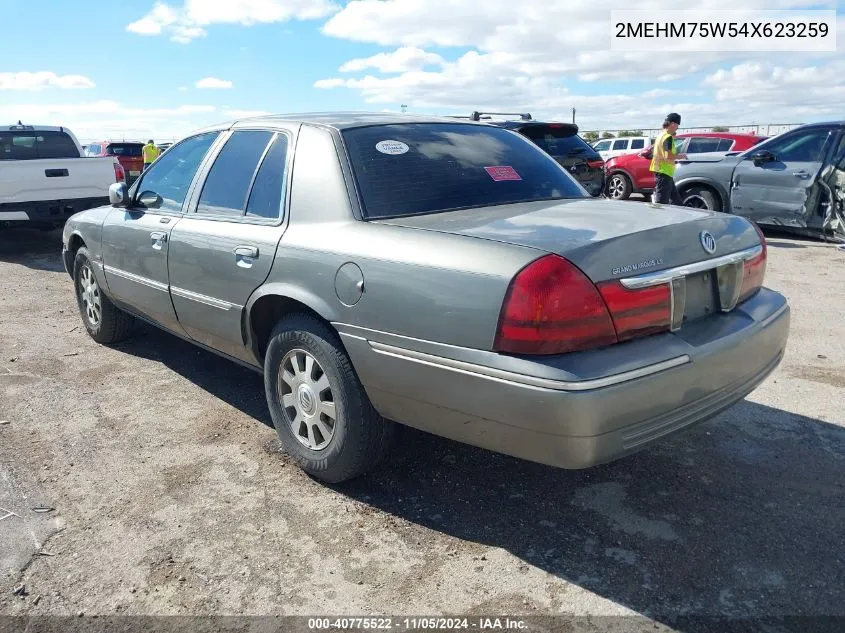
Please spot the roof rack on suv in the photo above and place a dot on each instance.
(477, 116)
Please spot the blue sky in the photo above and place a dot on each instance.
(131, 68)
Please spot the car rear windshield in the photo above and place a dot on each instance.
(124, 149)
(30, 145)
(559, 141)
(416, 168)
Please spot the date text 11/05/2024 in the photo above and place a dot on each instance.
(421, 623)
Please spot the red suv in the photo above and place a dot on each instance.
(128, 154)
(629, 173)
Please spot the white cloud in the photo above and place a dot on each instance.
(111, 119)
(401, 60)
(214, 83)
(42, 80)
(188, 22)
(762, 85)
(523, 63)
(330, 83)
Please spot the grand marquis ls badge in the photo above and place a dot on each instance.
(708, 242)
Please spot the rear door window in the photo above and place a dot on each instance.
(638, 143)
(228, 182)
(32, 145)
(422, 168)
(617, 145)
(265, 199)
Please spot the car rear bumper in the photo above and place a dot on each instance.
(578, 424)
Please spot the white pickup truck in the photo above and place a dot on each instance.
(44, 177)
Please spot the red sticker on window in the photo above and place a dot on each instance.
(502, 173)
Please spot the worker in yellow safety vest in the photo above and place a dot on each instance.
(151, 152)
(664, 155)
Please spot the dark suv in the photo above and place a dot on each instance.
(561, 141)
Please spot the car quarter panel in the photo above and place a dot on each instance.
(394, 280)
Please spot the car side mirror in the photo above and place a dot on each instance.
(119, 194)
(762, 157)
(150, 200)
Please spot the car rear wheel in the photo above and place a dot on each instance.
(321, 413)
(105, 322)
(619, 187)
(701, 198)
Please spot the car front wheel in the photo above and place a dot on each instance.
(701, 198)
(619, 187)
(104, 322)
(321, 413)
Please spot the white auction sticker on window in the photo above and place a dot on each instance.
(392, 147)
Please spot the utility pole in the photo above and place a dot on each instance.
(573, 115)
(404, 108)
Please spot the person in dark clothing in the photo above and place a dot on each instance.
(664, 155)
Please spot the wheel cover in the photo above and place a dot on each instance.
(89, 293)
(307, 399)
(695, 201)
(616, 186)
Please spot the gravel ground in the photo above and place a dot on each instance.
(169, 494)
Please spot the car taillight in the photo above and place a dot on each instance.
(594, 164)
(754, 270)
(638, 312)
(119, 172)
(551, 307)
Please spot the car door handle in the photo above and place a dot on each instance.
(801, 174)
(158, 238)
(246, 251)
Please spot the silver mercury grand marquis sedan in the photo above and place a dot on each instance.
(445, 275)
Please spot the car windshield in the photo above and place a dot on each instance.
(23, 145)
(411, 169)
(125, 149)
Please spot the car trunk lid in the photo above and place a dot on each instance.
(606, 239)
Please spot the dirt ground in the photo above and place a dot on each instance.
(169, 496)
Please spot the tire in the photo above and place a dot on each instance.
(358, 439)
(619, 187)
(104, 322)
(701, 198)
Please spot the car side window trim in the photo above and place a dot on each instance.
(194, 195)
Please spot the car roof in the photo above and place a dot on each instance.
(28, 127)
(338, 120)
